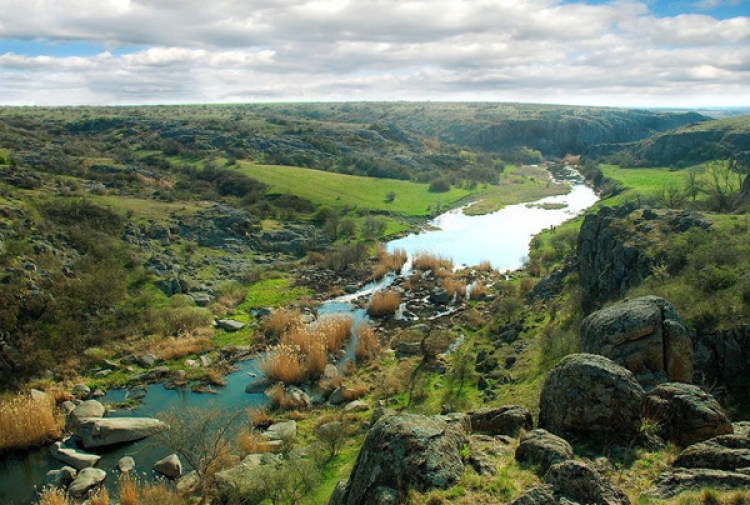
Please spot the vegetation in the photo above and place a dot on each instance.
(28, 420)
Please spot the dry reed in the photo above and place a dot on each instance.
(368, 345)
(53, 496)
(355, 392)
(251, 442)
(99, 497)
(454, 287)
(26, 421)
(478, 291)
(389, 262)
(177, 347)
(259, 418)
(158, 493)
(284, 363)
(384, 303)
(484, 266)
(127, 489)
(440, 266)
(281, 321)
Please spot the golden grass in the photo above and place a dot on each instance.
(177, 347)
(454, 287)
(479, 290)
(214, 377)
(281, 321)
(279, 397)
(54, 496)
(99, 497)
(127, 489)
(484, 266)
(440, 266)
(259, 417)
(251, 442)
(368, 345)
(26, 422)
(355, 392)
(335, 330)
(384, 303)
(158, 493)
(284, 363)
(389, 262)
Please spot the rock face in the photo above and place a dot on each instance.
(543, 449)
(170, 467)
(86, 480)
(116, 430)
(590, 394)
(405, 451)
(644, 335)
(506, 420)
(686, 413)
(573, 482)
(77, 459)
(723, 356)
(726, 452)
(672, 483)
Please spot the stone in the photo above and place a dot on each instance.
(230, 325)
(283, 431)
(243, 478)
(117, 430)
(258, 385)
(86, 410)
(725, 452)
(644, 335)
(187, 483)
(338, 396)
(685, 413)
(146, 360)
(591, 395)
(205, 361)
(580, 483)
(202, 299)
(405, 349)
(86, 480)
(409, 450)
(72, 456)
(170, 466)
(538, 495)
(679, 480)
(543, 449)
(357, 406)
(38, 396)
(126, 464)
(505, 420)
(67, 407)
(81, 390)
(439, 296)
(59, 478)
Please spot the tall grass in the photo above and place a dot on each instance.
(384, 303)
(440, 266)
(251, 441)
(454, 287)
(281, 321)
(99, 497)
(479, 291)
(26, 421)
(127, 489)
(368, 345)
(177, 347)
(284, 363)
(389, 262)
(54, 496)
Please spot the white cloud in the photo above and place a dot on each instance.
(233, 50)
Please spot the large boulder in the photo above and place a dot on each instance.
(506, 420)
(573, 482)
(170, 466)
(86, 480)
(73, 457)
(543, 449)
(676, 481)
(116, 430)
(59, 478)
(726, 452)
(405, 451)
(685, 413)
(590, 395)
(86, 410)
(644, 335)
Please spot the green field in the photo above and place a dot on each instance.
(641, 181)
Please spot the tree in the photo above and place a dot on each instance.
(390, 197)
(372, 227)
(202, 438)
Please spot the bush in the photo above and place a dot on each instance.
(179, 320)
(440, 266)
(384, 303)
(441, 185)
(284, 363)
(368, 344)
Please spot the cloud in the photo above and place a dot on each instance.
(617, 52)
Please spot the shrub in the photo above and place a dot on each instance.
(177, 320)
(27, 421)
(368, 345)
(478, 290)
(384, 303)
(251, 442)
(440, 266)
(454, 287)
(441, 185)
(284, 363)
(158, 493)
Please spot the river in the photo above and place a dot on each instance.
(502, 238)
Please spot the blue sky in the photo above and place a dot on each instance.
(621, 53)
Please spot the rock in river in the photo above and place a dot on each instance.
(87, 479)
(116, 430)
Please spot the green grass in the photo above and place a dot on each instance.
(272, 293)
(141, 210)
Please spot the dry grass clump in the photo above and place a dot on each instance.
(214, 377)
(251, 441)
(127, 489)
(454, 287)
(284, 363)
(389, 262)
(27, 421)
(440, 266)
(280, 398)
(384, 303)
(484, 266)
(99, 497)
(54, 496)
(281, 321)
(158, 493)
(259, 418)
(479, 291)
(177, 347)
(355, 392)
(368, 344)
(334, 330)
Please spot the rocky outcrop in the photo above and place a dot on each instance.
(644, 335)
(685, 413)
(242, 479)
(723, 356)
(402, 452)
(573, 482)
(59, 478)
(170, 466)
(506, 420)
(543, 449)
(592, 395)
(671, 483)
(111, 431)
(77, 459)
(86, 480)
(726, 452)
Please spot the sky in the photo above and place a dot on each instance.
(650, 53)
